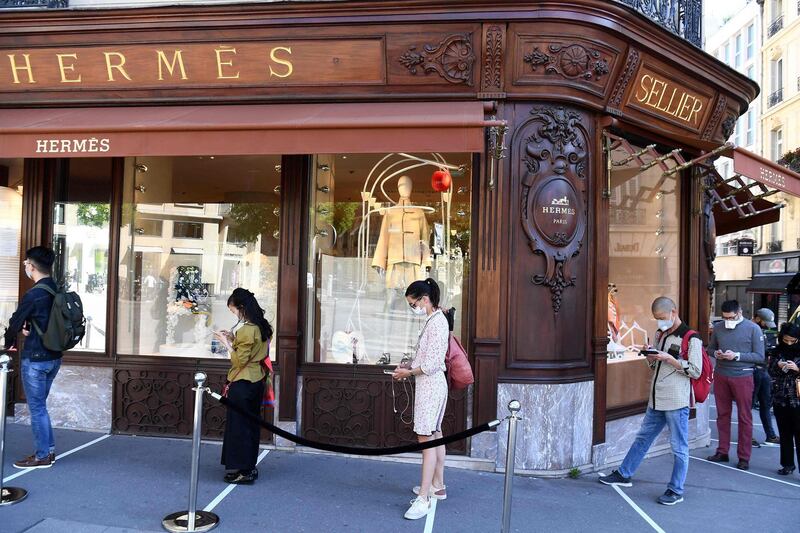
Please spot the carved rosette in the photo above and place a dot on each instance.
(553, 199)
(453, 59)
(573, 61)
(631, 64)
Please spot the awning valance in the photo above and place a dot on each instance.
(774, 284)
(244, 129)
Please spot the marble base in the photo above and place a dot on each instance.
(79, 399)
(620, 434)
(555, 433)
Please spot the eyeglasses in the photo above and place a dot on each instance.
(414, 305)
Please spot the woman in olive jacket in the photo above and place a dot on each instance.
(784, 368)
(248, 347)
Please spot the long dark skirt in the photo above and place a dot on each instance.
(240, 443)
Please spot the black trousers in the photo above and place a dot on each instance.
(240, 443)
(789, 430)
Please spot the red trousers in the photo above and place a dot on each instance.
(739, 390)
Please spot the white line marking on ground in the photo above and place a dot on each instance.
(763, 444)
(736, 422)
(227, 490)
(431, 517)
(638, 510)
(746, 472)
(60, 456)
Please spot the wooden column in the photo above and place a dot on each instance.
(291, 280)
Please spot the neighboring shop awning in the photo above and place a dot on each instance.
(794, 285)
(775, 284)
(244, 129)
(739, 202)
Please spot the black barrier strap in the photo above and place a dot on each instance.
(353, 450)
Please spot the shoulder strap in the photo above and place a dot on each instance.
(53, 294)
(46, 288)
(685, 343)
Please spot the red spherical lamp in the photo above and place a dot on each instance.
(441, 180)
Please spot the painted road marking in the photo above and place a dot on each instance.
(227, 490)
(431, 517)
(60, 457)
(638, 510)
(746, 472)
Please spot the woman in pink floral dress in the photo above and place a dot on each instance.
(428, 368)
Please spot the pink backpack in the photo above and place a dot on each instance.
(459, 371)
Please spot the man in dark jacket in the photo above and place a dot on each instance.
(762, 392)
(39, 365)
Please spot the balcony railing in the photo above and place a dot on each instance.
(681, 17)
(775, 98)
(18, 4)
(775, 27)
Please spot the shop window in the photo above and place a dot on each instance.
(187, 230)
(793, 264)
(175, 274)
(644, 263)
(376, 224)
(772, 266)
(10, 233)
(81, 235)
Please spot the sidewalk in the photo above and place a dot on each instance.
(130, 483)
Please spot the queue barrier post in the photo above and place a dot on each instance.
(192, 519)
(514, 406)
(8, 495)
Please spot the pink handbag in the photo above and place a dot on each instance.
(459, 371)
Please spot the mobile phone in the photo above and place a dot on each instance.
(648, 352)
(390, 372)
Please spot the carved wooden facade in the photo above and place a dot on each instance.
(540, 221)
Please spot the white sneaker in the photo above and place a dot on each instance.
(436, 494)
(418, 509)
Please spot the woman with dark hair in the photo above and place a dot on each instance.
(248, 345)
(428, 368)
(784, 367)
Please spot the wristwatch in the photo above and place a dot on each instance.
(737, 356)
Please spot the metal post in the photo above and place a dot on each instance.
(8, 495)
(514, 406)
(192, 519)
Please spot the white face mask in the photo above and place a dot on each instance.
(29, 273)
(418, 310)
(665, 325)
(731, 324)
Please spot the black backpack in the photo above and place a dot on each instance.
(67, 325)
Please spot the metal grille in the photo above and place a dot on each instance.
(681, 17)
(18, 4)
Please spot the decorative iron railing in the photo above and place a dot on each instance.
(775, 98)
(18, 4)
(775, 27)
(681, 17)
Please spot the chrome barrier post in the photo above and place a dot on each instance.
(514, 406)
(193, 520)
(8, 495)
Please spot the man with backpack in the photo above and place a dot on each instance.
(676, 360)
(39, 365)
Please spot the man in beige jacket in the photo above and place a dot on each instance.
(669, 400)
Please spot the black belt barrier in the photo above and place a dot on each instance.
(353, 450)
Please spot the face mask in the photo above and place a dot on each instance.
(731, 324)
(665, 325)
(28, 273)
(418, 310)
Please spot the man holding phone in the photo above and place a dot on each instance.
(738, 345)
(669, 399)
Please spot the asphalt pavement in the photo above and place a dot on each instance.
(116, 483)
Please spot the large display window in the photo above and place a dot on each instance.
(643, 264)
(193, 229)
(11, 191)
(377, 223)
(81, 237)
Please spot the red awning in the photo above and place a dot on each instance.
(768, 172)
(244, 129)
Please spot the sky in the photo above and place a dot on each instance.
(715, 12)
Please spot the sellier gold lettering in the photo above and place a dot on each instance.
(669, 99)
(284, 62)
(118, 66)
(64, 68)
(225, 50)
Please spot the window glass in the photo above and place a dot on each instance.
(772, 266)
(750, 40)
(738, 52)
(10, 223)
(81, 234)
(793, 265)
(193, 229)
(644, 263)
(393, 224)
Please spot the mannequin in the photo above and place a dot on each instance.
(401, 256)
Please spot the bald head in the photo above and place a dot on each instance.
(663, 305)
